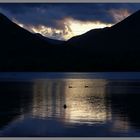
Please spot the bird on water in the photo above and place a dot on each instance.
(65, 106)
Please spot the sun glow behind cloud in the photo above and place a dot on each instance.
(71, 28)
(58, 21)
(80, 27)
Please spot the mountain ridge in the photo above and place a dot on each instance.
(113, 48)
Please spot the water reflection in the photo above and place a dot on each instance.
(94, 107)
(15, 99)
(85, 104)
(48, 98)
(124, 97)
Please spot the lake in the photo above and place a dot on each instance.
(102, 104)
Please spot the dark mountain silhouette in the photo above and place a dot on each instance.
(114, 48)
(49, 40)
(22, 50)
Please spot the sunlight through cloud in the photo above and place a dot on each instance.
(79, 27)
(71, 28)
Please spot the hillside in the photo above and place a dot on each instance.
(115, 48)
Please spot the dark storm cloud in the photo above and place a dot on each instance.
(51, 15)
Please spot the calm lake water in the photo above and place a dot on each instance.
(97, 104)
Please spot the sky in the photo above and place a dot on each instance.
(64, 20)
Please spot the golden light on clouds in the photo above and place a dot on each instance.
(80, 27)
(71, 28)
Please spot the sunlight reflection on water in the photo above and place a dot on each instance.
(94, 107)
(84, 104)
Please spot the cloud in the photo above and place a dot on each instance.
(119, 14)
(72, 28)
(50, 14)
(53, 19)
(59, 34)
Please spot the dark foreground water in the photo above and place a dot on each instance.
(97, 104)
